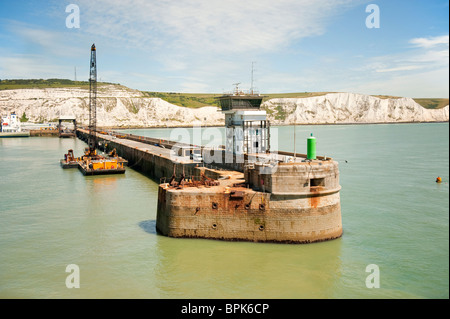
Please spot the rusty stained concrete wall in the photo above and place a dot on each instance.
(257, 216)
(151, 164)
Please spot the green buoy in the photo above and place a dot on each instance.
(311, 153)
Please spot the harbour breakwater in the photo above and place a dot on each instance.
(287, 199)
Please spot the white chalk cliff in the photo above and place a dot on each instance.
(116, 107)
(122, 107)
(346, 108)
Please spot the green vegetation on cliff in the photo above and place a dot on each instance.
(43, 84)
(192, 100)
(432, 103)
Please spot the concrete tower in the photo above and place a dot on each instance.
(247, 127)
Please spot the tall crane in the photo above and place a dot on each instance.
(92, 163)
(92, 141)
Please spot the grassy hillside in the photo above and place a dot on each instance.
(428, 103)
(293, 95)
(432, 103)
(44, 84)
(195, 100)
(191, 100)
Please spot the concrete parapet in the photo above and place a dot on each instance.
(295, 178)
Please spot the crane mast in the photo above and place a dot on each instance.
(92, 163)
(92, 142)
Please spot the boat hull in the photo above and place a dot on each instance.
(14, 134)
(88, 172)
(71, 164)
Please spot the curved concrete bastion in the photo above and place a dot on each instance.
(289, 203)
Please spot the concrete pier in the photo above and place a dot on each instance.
(151, 157)
(286, 202)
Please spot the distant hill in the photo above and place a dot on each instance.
(119, 106)
(44, 84)
(190, 100)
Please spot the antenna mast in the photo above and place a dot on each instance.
(251, 89)
(237, 88)
(92, 142)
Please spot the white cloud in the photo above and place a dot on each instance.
(400, 68)
(218, 26)
(52, 42)
(430, 42)
(423, 84)
(194, 87)
(206, 38)
(211, 43)
(26, 66)
(419, 71)
(438, 57)
(206, 45)
(426, 57)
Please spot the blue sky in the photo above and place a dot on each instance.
(204, 46)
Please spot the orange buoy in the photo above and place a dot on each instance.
(438, 180)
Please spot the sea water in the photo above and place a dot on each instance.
(395, 218)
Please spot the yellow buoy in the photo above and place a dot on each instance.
(438, 180)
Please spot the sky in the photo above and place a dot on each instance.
(400, 48)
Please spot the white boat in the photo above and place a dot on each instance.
(10, 126)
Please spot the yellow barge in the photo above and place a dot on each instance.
(101, 166)
(93, 164)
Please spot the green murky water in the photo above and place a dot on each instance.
(394, 216)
